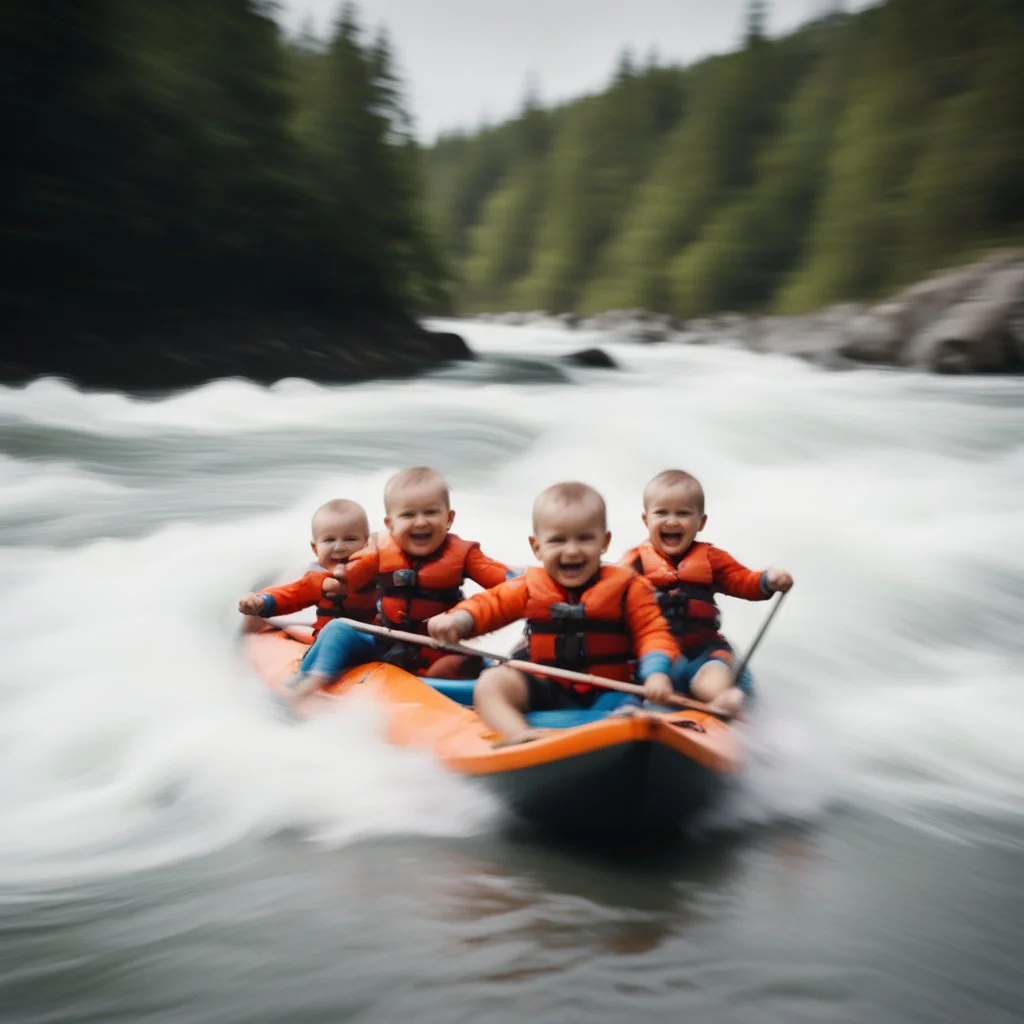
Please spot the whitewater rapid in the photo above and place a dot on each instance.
(133, 734)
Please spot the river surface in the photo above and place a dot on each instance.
(171, 850)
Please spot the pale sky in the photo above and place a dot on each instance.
(464, 62)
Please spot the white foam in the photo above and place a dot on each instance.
(131, 732)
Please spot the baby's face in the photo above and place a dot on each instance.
(673, 518)
(419, 518)
(569, 541)
(337, 537)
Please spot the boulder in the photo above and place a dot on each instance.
(592, 358)
(817, 338)
(897, 332)
(446, 345)
(979, 334)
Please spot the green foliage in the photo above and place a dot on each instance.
(502, 243)
(745, 250)
(182, 156)
(839, 162)
(966, 188)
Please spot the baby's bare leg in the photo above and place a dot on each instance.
(713, 684)
(711, 681)
(501, 697)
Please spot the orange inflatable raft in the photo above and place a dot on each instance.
(654, 770)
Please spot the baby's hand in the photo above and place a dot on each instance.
(450, 627)
(658, 688)
(250, 604)
(779, 579)
(333, 588)
(340, 571)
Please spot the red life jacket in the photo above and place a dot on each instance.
(362, 606)
(411, 590)
(685, 593)
(584, 630)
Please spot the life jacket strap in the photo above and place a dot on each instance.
(563, 627)
(404, 584)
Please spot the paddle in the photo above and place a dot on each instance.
(745, 660)
(549, 671)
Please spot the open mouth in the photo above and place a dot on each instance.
(421, 538)
(671, 539)
(571, 570)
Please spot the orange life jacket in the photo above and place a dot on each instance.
(685, 593)
(411, 590)
(362, 605)
(584, 630)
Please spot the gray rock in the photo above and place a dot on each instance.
(817, 338)
(966, 320)
(979, 334)
(594, 358)
(637, 325)
(446, 345)
(874, 336)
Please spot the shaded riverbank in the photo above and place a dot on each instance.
(167, 352)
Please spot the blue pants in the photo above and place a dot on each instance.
(336, 648)
(684, 669)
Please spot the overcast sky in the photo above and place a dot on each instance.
(467, 61)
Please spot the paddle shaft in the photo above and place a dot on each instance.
(745, 660)
(550, 671)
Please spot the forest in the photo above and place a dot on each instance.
(179, 159)
(839, 162)
(188, 163)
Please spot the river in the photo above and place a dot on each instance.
(171, 850)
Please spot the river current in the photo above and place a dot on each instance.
(172, 850)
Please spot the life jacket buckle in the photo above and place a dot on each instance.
(405, 577)
(566, 610)
(674, 603)
(571, 649)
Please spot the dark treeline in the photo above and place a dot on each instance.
(839, 162)
(181, 158)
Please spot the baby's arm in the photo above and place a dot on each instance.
(653, 642)
(486, 571)
(481, 613)
(285, 599)
(360, 570)
(736, 580)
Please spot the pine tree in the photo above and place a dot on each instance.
(757, 16)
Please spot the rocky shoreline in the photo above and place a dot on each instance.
(170, 353)
(966, 320)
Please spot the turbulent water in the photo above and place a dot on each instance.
(171, 850)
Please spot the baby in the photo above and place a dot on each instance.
(580, 615)
(686, 574)
(340, 529)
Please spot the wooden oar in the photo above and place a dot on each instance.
(549, 671)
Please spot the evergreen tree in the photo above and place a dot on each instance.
(181, 157)
(757, 17)
(839, 162)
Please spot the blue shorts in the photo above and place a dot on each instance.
(684, 669)
(337, 648)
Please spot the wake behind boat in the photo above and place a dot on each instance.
(591, 772)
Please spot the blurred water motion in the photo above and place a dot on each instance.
(169, 846)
